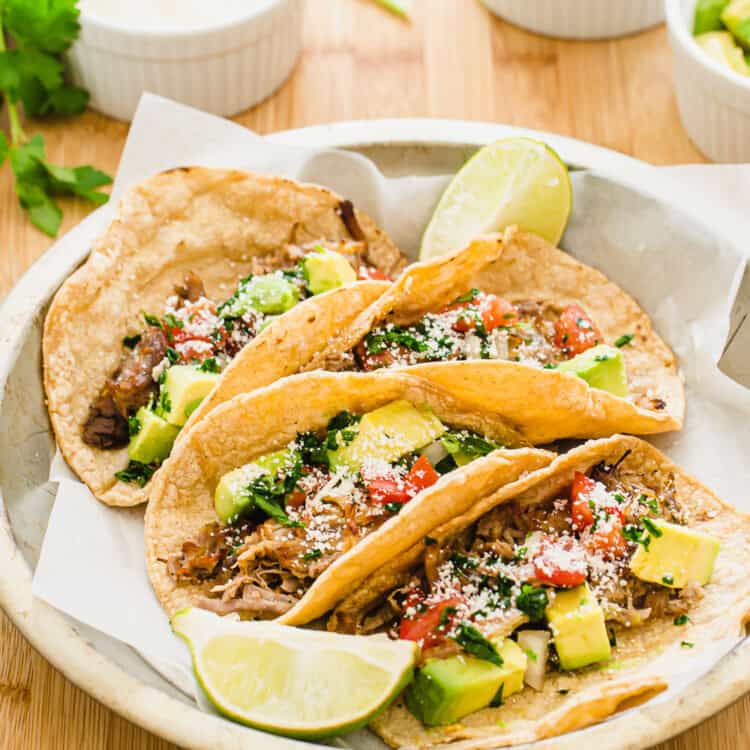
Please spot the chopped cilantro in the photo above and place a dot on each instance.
(681, 620)
(137, 473)
(411, 339)
(497, 701)
(520, 553)
(393, 507)
(612, 637)
(312, 449)
(531, 655)
(172, 355)
(342, 420)
(131, 341)
(636, 534)
(430, 541)
(467, 443)
(653, 529)
(601, 358)
(172, 322)
(476, 644)
(667, 579)
(624, 340)
(134, 426)
(152, 320)
(209, 365)
(462, 563)
(687, 644)
(532, 601)
(445, 616)
(313, 554)
(470, 296)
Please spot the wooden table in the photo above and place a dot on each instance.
(454, 61)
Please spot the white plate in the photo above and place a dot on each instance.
(113, 673)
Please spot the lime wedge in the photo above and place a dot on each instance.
(512, 181)
(300, 683)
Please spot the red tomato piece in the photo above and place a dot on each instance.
(607, 539)
(295, 499)
(580, 511)
(497, 312)
(384, 490)
(369, 273)
(371, 362)
(428, 628)
(422, 475)
(575, 332)
(561, 563)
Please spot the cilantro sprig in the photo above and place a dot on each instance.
(38, 32)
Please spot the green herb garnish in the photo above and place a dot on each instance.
(313, 554)
(136, 473)
(497, 701)
(532, 601)
(430, 541)
(134, 426)
(624, 340)
(470, 296)
(474, 643)
(612, 637)
(667, 579)
(687, 644)
(209, 365)
(131, 341)
(652, 528)
(152, 320)
(393, 507)
(172, 356)
(681, 620)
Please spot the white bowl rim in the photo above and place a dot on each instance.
(681, 33)
(258, 9)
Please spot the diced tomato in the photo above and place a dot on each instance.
(575, 332)
(426, 627)
(497, 312)
(422, 475)
(295, 499)
(383, 490)
(580, 511)
(560, 562)
(370, 362)
(494, 312)
(370, 273)
(607, 538)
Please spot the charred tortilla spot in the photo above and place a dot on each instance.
(345, 211)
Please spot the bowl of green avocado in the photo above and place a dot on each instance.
(710, 40)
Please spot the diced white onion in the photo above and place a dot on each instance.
(535, 642)
(434, 452)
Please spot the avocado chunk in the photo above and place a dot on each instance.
(736, 17)
(272, 293)
(722, 47)
(708, 16)
(677, 557)
(577, 624)
(601, 367)
(387, 434)
(184, 387)
(153, 441)
(231, 497)
(328, 270)
(446, 690)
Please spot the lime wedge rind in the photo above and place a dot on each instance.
(327, 667)
(511, 182)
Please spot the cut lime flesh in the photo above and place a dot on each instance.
(515, 181)
(299, 683)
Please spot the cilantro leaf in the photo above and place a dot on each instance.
(49, 25)
(476, 644)
(532, 601)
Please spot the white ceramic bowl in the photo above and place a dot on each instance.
(714, 101)
(223, 68)
(580, 19)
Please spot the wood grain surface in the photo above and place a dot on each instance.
(455, 60)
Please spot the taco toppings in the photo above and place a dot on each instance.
(534, 588)
(284, 518)
(171, 364)
(478, 325)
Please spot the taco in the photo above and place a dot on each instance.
(553, 343)
(559, 598)
(199, 265)
(278, 500)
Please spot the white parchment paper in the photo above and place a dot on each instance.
(92, 561)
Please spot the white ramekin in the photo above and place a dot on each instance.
(580, 19)
(714, 101)
(223, 69)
